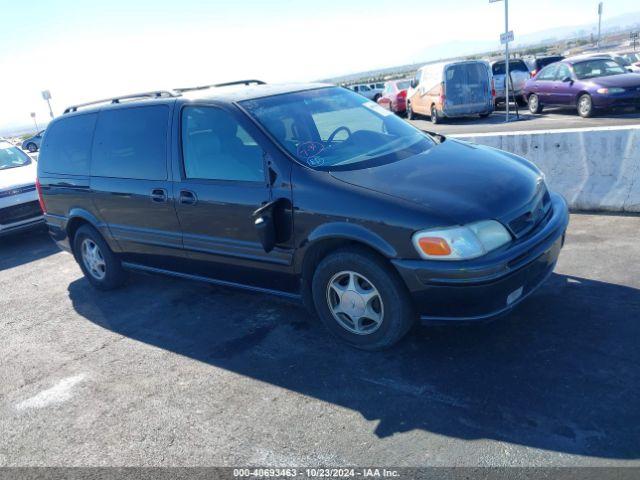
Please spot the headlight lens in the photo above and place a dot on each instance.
(609, 91)
(461, 243)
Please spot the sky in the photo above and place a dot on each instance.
(84, 50)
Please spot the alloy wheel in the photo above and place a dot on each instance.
(93, 259)
(355, 303)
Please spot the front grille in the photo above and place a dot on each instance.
(537, 216)
(17, 190)
(17, 213)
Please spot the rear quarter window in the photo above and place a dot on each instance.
(131, 143)
(67, 145)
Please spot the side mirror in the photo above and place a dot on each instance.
(414, 84)
(266, 231)
(265, 224)
(567, 79)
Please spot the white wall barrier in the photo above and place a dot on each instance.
(595, 169)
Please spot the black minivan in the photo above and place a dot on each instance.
(306, 191)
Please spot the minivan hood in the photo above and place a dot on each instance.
(455, 180)
(18, 176)
(624, 80)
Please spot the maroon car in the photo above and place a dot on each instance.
(394, 95)
(587, 84)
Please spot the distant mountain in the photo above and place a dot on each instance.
(609, 25)
(455, 49)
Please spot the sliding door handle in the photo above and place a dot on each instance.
(158, 195)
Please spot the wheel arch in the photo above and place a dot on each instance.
(78, 217)
(579, 94)
(329, 238)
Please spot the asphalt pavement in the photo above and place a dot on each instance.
(166, 372)
(549, 119)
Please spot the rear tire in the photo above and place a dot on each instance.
(435, 116)
(98, 263)
(360, 300)
(32, 147)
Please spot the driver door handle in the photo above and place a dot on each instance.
(187, 197)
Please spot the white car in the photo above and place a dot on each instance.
(367, 91)
(19, 204)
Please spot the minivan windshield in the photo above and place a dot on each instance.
(335, 129)
(11, 157)
(600, 67)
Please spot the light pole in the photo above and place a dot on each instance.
(505, 38)
(599, 24)
(46, 95)
(33, 115)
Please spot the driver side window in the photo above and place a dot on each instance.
(216, 147)
(563, 72)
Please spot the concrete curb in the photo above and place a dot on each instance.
(596, 169)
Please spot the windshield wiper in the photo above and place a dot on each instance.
(436, 136)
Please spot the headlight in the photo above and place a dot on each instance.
(461, 243)
(609, 91)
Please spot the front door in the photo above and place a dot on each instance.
(562, 93)
(224, 176)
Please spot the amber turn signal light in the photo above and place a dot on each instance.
(434, 246)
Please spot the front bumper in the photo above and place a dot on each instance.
(19, 212)
(482, 288)
(617, 100)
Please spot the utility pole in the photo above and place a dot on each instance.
(599, 24)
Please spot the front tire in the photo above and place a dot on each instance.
(98, 263)
(32, 147)
(410, 114)
(535, 106)
(585, 106)
(360, 300)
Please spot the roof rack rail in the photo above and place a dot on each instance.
(217, 85)
(152, 94)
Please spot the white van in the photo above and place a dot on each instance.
(451, 89)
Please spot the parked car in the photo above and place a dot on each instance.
(19, 206)
(519, 73)
(366, 91)
(617, 57)
(32, 144)
(310, 192)
(538, 63)
(632, 57)
(588, 84)
(394, 95)
(377, 87)
(455, 89)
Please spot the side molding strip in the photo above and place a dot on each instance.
(199, 278)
